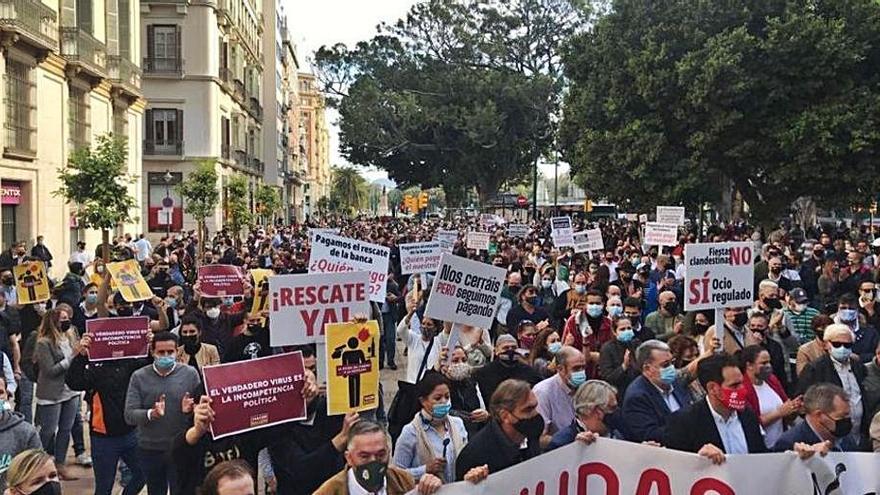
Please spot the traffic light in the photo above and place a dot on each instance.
(423, 200)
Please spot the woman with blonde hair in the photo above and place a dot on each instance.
(32, 472)
(57, 404)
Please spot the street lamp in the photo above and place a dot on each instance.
(168, 203)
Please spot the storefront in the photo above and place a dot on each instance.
(10, 211)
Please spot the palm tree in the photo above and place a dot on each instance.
(349, 188)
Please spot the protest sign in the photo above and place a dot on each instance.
(643, 218)
(353, 367)
(661, 234)
(614, 467)
(128, 278)
(261, 290)
(118, 338)
(588, 240)
(465, 291)
(256, 393)
(31, 283)
(670, 214)
(562, 231)
(419, 257)
(478, 240)
(332, 253)
(517, 230)
(220, 281)
(446, 238)
(312, 232)
(719, 275)
(488, 221)
(300, 305)
(632, 217)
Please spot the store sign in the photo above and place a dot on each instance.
(10, 193)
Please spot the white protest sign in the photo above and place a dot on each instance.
(478, 240)
(719, 275)
(661, 234)
(300, 305)
(588, 240)
(615, 467)
(643, 218)
(670, 214)
(465, 291)
(517, 230)
(447, 239)
(314, 231)
(332, 253)
(562, 231)
(419, 257)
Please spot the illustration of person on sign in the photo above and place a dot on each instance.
(353, 364)
(129, 280)
(30, 279)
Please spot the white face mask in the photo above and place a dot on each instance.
(213, 313)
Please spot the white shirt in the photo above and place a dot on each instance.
(144, 248)
(851, 385)
(768, 401)
(669, 398)
(417, 347)
(731, 432)
(83, 257)
(355, 489)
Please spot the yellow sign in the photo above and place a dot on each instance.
(31, 282)
(352, 367)
(127, 275)
(261, 290)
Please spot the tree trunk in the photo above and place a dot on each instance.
(200, 252)
(105, 245)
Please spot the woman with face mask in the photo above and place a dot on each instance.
(543, 354)
(765, 395)
(467, 400)
(33, 472)
(432, 441)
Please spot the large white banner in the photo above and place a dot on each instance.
(419, 257)
(300, 305)
(719, 275)
(661, 234)
(562, 231)
(670, 214)
(586, 241)
(614, 467)
(465, 291)
(332, 253)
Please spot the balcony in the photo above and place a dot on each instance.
(163, 148)
(84, 51)
(125, 75)
(226, 76)
(255, 165)
(163, 66)
(238, 89)
(241, 158)
(34, 22)
(255, 108)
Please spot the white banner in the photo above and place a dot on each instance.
(465, 291)
(332, 253)
(562, 231)
(586, 241)
(478, 240)
(719, 275)
(614, 467)
(661, 234)
(517, 230)
(447, 239)
(300, 305)
(419, 257)
(670, 214)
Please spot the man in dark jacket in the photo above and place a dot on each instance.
(827, 419)
(388, 342)
(506, 365)
(617, 363)
(217, 327)
(16, 434)
(71, 289)
(720, 423)
(41, 252)
(15, 255)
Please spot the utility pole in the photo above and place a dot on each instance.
(556, 185)
(535, 190)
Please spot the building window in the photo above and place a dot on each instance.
(165, 204)
(80, 129)
(164, 132)
(163, 50)
(225, 138)
(20, 108)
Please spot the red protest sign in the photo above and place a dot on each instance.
(257, 393)
(220, 281)
(118, 338)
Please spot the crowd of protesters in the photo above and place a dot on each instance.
(582, 345)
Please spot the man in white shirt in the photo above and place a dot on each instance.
(81, 255)
(143, 248)
(555, 403)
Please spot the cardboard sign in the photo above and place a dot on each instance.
(300, 305)
(257, 393)
(588, 240)
(419, 257)
(517, 230)
(478, 240)
(31, 283)
(670, 214)
(447, 239)
(333, 254)
(465, 291)
(719, 275)
(643, 218)
(220, 281)
(353, 367)
(118, 338)
(128, 278)
(261, 290)
(661, 234)
(562, 231)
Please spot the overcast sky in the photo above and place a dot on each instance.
(314, 23)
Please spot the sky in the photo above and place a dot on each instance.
(314, 23)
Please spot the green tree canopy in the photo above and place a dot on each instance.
(268, 201)
(349, 189)
(237, 205)
(200, 196)
(673, 101)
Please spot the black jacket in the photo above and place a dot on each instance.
(219, 332)
(690, 428)
(611, 365)
(822, 371)
(42, 253)
(492, 447)
(465, 399)
(491, 375)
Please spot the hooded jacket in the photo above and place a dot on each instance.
(16, 435)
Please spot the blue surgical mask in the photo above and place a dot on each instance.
(580, 289)
(848, 314)
(626, 336)
(841, 354)
(171, 302)
(91, 298)
(555, 347)
(615, 311)
(594, 310)
(546, 283)
(164, 363)
(439, 411)
(667, 374)
(577, 378)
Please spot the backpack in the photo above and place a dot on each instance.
(28, 365)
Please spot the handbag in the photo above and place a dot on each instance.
(406, 402)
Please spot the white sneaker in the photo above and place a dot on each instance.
(84, 460)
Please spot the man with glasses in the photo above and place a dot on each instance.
(866, 337)
(868, 305)
(827, 421)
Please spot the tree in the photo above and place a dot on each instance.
(268, 200)
(685, 102)
(200, 197)
(96, 182)
(237, 207)
(349, 189)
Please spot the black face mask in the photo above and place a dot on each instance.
(773, 303)
(190, 343)
(371, 476)
(740, 319)
(8, 280)
(530, 427)
(125, 311)
(48, 488)
(507, 358)
(65, 325)
(671, 308)
(842, 427)
(700, 329)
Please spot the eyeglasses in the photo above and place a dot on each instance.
(848, 345)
